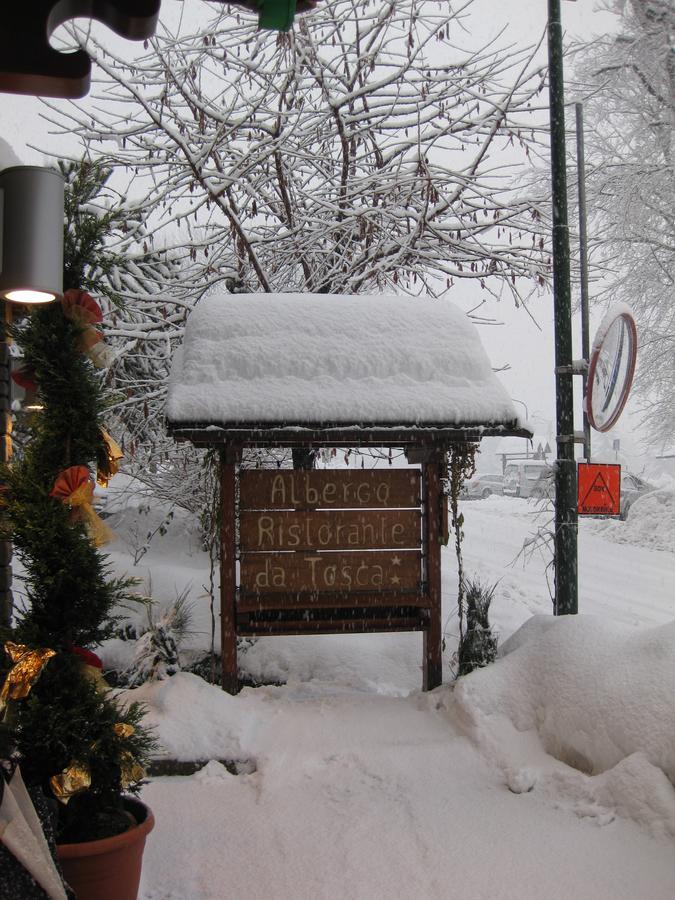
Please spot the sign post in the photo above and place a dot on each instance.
(565, 537)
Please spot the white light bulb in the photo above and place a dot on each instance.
(30, 296)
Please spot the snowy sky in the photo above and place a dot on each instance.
(520, 342)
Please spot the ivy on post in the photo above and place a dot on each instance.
(229, 458)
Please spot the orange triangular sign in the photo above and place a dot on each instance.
(599, 489)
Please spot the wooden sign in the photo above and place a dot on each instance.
(321, 572)
(598, 489)
(328, 489)
(330, 530)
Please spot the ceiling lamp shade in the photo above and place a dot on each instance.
(31, 234)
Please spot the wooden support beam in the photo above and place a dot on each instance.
(432, 646)
(249, 602)
(228, 583)
(251, 626)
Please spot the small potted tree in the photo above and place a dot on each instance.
(75, 741)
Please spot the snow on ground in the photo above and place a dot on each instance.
(650, 522)
(361, 795)
(546, 774)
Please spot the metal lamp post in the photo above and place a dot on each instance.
(566, 580)
(31, 271)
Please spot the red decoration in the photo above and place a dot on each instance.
(89, 338)
(80, 307)
(71, 480)
(25, 378)
(87, 656)
(75, 487)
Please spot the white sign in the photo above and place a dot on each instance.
(611, 369)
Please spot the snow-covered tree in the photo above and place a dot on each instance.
(142, 292)
(363, 150)
(145, 295)
(627, 81)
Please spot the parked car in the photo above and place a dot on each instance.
(482, 485)
(632, 487)
(528, 478)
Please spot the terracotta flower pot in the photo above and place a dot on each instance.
(109, 869)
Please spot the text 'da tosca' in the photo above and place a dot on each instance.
(334, 571)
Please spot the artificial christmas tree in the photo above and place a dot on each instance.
(74, 740)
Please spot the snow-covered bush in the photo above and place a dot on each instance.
(478, 645)
(157, 653)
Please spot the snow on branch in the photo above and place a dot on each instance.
(365, 150)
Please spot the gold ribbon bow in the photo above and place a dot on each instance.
(113, 455)
(71, 781)
(77, 777)
(28, 664)
(75, 488)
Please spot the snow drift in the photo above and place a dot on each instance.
(599, 697)
(594, 692)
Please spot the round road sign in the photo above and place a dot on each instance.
(611, 369)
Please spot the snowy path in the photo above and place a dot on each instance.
(360, 796)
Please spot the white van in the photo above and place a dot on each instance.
(528, 478)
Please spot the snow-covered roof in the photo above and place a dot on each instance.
(318, 360)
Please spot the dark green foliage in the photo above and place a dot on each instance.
(478, 645)
(70, 597)
(67, 719)
(88, 261)
(69, 389)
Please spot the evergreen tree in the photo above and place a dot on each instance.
(67, 724)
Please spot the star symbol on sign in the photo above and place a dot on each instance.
(396, 560)
(395, 579)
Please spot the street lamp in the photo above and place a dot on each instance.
(524, 405)
(31, 225)
(31, 271)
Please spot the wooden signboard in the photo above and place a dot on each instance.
(329, 542)
(262, 530)
(328, 489)
(331, 551)
(319, 572)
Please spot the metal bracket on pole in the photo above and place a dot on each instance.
(577, 367)
(577, 438)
